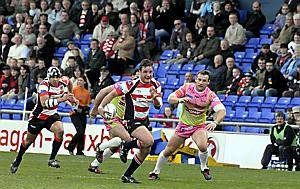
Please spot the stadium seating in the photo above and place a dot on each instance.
(266, 117)
(166, 55)
(198, 68)
(264, 41)
(162, 81)
(230, 100)
(238, 56)
(186, 68)
(243, 101)
(162, 70)
(294, 102)
(239, 116)
(172, 83)
(174, 69)
(116, 78)
(252, 43)
(253, 117)
(8, 104)
(256, 101)
(283, 103)
(269, 102)
(86, 39)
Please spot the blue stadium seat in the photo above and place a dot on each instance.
(162, 70)
(222, 97)
(125, 78)
(239, 116)
(60, 52)
(249, 51)
(266, 117)
(116, 78)
(167, 93)
(175, 53)
(243, 101)
(252, 43)
(166, 55)
(229, 115)
(269, 102)
(246, 67)
(283, 103)
(294, 102)
(67, 108)
(181, 79)
(249, 57)
(99, 121)
(252, 110)
(174, 69)
(162, 81)
(8, 104)
(66, 119)
(186, 68)
(172, 83)
(230, 100)
(240, 109)
(85, 49)
(160, 146)
(238, 56)
(256, 101)
(86, 39)
(229, 128)
(253, 117)
(267, 29)
(198, 68)
(19, 105)
(264, 41)
(251, 129)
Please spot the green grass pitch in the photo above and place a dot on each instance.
(34, 173)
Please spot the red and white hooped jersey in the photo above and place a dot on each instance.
(45, 88)
(140, 95)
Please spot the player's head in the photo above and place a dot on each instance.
(202, 80)
(279, 117)
(53, 74)
(146, 70)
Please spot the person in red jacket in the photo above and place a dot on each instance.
(8, 82)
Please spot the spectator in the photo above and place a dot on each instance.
(207, 48)
(63, 30)
(295, 44)
(255, 20)
(18, 50)
(285, 35)
(235, 34)
(7, 82)
(102, 29)
(125, 46)
(29, 38)
(71, 64)
(293, 84)
(178, 34)
(230, 64)
(44, 10)
(66, 5)
(33, 11)
(274, 82)
(166, 115)
(282, 142)
(232, 86)
(18, 22)
(134, 9)
(79, 72)
(41, 51)
(41, 70)
(23, 81)
(124, 22)
(4, 48)
(291, 64)
(71, 46)
(134, 23)
(105, 80)
(107, 46)
(49, 40)
(218, 18)
(84, 18)
(7, 29)
(280, 18)
(224, 50)
(28, 20)
(95, 60)
(43, 20)
(194, 12)
(217, 74)
(96, 17)
(260, 75)
(12, 84)
(199, 30)
(283, 56)
(55, 63)
(113, 17)
(189, 78)
(55, 14)
(246, 85)
(268, 55)
(146, 39)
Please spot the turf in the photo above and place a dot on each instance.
(34, 173)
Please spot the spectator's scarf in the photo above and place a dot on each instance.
(143, 28)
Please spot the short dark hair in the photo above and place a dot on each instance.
(145, 63)
(204, 72)
(96, 40)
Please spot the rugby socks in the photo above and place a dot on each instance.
(203, 159)
(55, 147)
(21, 152)
(135, 163)
(106, 155)
(160, 162)
(114, 142)
(131, 144)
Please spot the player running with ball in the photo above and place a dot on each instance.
(197, 99)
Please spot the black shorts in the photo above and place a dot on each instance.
(35, 125)
(135, 123)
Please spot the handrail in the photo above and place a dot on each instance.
(238, 124)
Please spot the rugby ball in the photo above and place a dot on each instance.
(111, 111)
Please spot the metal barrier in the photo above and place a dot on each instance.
(237, 124)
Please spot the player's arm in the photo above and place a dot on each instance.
(102, 93)
(107, 99)
(48, 102)
(156, 97)
(178, 96)
(220, 115)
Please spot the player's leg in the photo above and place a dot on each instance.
(145, 141)
(30, 138)
(58, 130)
(174, 143)
(200, 138)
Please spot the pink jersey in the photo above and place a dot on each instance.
(139, 94)
(195, 110)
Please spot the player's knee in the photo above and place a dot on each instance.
(203, 148)
(148, 143)
(60, 132)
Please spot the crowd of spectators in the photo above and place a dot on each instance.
(124, 32)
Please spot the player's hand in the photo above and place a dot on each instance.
(104, 114)
(153, 93)
(211, 126)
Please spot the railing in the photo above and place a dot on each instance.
(237, 124)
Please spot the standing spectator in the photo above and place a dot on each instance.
(255, 20)
(102, 29)
(217, 74)
(265, 53)
(235, 34)
(78, 116)
(84, 18)
(124, 46)
(4, 48)
(23, 81)
(18, 50)
(166, 115)
(95, 60)
(63, 30)
(146, 39)
(178, 34)
(207, 48)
